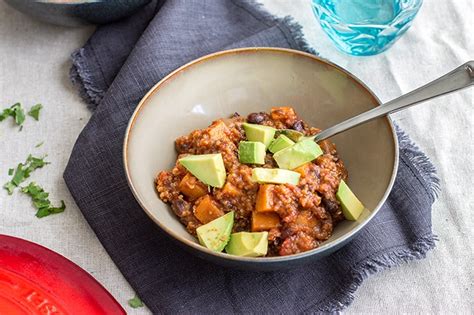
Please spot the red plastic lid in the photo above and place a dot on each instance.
(36, 280)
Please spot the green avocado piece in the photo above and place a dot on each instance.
(300, 153)
(351, 206)
(280, 143)
(259, 133)
(251, 152)
(290, 133)
(275, 176)
(306, 138)
(208, 168)
(248, 244)
(215, 234)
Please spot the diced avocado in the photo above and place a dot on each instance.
(300, 153)
(275, 176)
(351, 206)
(251, 152)
(290, 133)
(215, 234)
(280, 143)
(259, 133)
(306, 138)
(208, 168)
(248, 244)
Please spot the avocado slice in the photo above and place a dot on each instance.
(251, 152)
(290, 133)
(275, 176)
(208, 168)
(306, 138)
(215, 234)
(248, 244)
(259, 133)
(352, 208)
(280, 143)
(300, 153)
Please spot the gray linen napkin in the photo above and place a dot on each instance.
(115, 69)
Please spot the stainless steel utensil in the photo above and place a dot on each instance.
(458, 79)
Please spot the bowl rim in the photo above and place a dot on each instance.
(257, 260)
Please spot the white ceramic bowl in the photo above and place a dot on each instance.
(249, 80)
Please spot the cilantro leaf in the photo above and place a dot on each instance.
(35, 111)
(41, 200)
(135, 302)
(35, 162)
(43, 212)
(10, 171)
(18, 114)
(15, 111)
(59, 209)
(20, 175)
(10, 187)
(7, 112)
(23, 171)
(39, 144)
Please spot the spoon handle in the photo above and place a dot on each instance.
(459, 78)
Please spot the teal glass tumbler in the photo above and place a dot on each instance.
(365, 27)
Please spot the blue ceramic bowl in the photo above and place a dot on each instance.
(78, 12)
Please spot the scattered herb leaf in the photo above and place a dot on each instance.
(41, 200)
(10, 171)
(18, 113)
(135, 302)
(9, 187)
(23, 171)
(20, 175)
(39, 144)
(4, 114)
(15, 111)
(35, 111)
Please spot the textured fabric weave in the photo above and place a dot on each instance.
(117, 66)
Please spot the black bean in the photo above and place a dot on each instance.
(256, 118)
(331, 205)
(183, 147)
(181, 207)
(298, 126)
(287, 231)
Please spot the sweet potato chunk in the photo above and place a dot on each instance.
(283, 113)
(218, 130)
(306, 219)
(264, 221)
(230, 190)
(303, 169)
(265, 198)
(207, 210)
(191, 187)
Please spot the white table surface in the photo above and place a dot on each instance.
(34, 64)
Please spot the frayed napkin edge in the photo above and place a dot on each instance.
(292, 30)
(421, 163)
(346, 295)
(83, 78)
(418, 249)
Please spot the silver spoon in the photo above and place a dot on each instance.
(457, 79)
